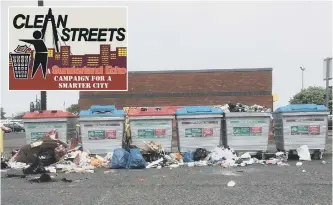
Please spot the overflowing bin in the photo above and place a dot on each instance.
(303, 124)
(247, 131)
(102, 128)
(20, 62)
(152, 124)
(38, 124)
(199, 127)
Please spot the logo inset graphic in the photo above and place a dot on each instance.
(63, 60)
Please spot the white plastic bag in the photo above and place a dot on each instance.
(231, 184)
(303, 153)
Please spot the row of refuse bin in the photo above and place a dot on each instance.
(102, 127)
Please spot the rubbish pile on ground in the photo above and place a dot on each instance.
(48, 154)
(238, 107)
(225, 157)
(32, 158)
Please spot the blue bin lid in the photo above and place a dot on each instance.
(102, 111)
(198, 110)
(302, 108)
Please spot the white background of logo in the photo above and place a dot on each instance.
(78, 17)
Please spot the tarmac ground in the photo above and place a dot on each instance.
(310, 184)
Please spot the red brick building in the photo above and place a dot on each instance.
(188, 87)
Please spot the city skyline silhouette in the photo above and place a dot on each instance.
(64, 58)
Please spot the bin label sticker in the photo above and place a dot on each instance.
(96, 135)
(248, 121)
(81, 56)
(247, 131)
(199, 132)
(305, 130)
(200, 122)
(151, 133)
(150, 123)
(36, 135)
(207, 132)
(102, 125)
(305, 120)
(111, 134)
(43, 125)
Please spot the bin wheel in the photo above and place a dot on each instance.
(321, 155)
(287, 155)
(317, 155)
(263, 155)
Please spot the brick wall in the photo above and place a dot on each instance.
(249, 86)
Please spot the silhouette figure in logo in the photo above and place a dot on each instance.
(41, 53)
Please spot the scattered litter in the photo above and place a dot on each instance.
(17, 165)
(136, 160)
(108, 156)
(299, 164)
(4, 164)
(303, 171)
(246, 155)
(188, 157)
(250, 161)
(51, 169)
(66, 180)
(200, 154)
(281, 164)
(119, 159)
(303, 153)
(155, 163)
(238, 107)
(174, 166)
(323, 162)
(178, 156)
(231, 184)
(49, 155)
(141, 180)
(200, 163)
(95, 162)
(272, 161)
(43, 178)
(16, 175)
(281, 156)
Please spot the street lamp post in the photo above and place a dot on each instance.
(43, 98)
(302, 69)
(327, 78)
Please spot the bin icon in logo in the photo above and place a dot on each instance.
(20, 62)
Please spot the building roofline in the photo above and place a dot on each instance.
(204, 71)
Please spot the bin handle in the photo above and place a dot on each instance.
(102, 112)
(100, 109)
(143, 109)
(94, 108)
(308, 107)
(199, 110)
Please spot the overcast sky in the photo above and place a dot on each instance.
(215, 35)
